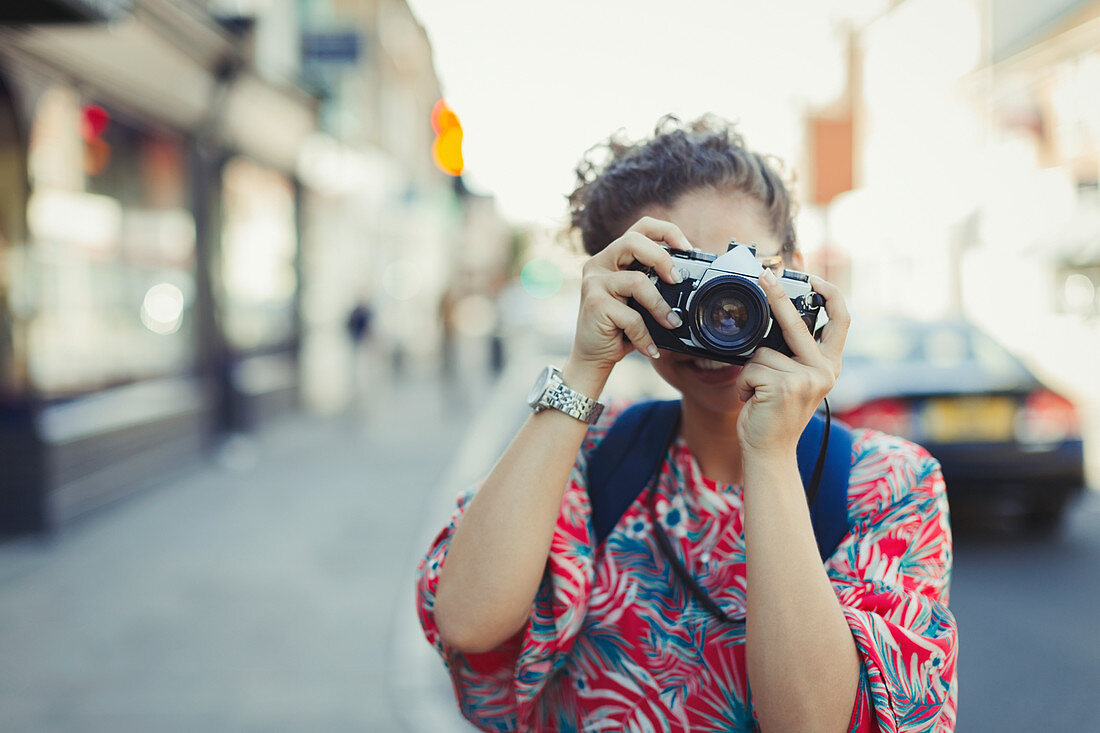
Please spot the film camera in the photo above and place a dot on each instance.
(725, 313)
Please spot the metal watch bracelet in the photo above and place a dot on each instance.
(557, 395)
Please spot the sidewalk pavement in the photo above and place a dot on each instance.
(270, 590)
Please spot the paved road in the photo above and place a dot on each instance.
(1029, 634)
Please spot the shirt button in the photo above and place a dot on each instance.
(705, 557)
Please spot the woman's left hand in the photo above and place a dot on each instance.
(782, 392)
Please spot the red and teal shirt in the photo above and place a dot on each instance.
(614, 643)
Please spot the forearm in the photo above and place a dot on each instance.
(498, 553)
(802, 661)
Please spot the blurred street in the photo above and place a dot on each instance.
(276, 277)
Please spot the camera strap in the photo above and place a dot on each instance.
(628, 460)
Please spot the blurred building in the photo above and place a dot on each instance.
(194, 196)
(385, 226)
(1043, 115)
(939, 181)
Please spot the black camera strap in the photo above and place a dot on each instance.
(686, 578)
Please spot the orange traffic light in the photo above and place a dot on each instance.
(447, 148)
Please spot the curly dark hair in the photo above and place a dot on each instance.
(618, 178)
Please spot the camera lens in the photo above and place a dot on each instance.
(729, 314)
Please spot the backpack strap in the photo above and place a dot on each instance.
(631, 451)
(635, 446)
(829, 509)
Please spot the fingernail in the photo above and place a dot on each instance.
(767, 278)
(674, 320)
(653, 352)
(676, 277)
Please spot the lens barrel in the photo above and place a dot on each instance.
(729, 314)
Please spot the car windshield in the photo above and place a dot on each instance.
(936, 345)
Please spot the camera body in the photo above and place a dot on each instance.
(725, 313)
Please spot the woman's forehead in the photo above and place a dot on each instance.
(710, 218)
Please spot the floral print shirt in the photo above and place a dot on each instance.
(614, 643)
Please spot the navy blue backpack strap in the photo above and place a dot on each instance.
(631, 451)
(634, 448)
(829, 511)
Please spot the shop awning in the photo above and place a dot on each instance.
(166, 68)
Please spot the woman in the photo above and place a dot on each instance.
(540, 630)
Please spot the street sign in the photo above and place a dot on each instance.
(331, 47)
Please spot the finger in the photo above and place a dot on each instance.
(753, 377)
(835, 332)
(632, 284)
(812, 379)
(775, 360)
(661, 231)
(795, 333)
(629, 321)
(636, 247)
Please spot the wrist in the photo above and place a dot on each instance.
(778, 473)
(771, 457)
(584, 377)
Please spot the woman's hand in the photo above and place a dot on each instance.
(782, 392)
(607, 285)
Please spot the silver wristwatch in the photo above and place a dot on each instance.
(550, 391)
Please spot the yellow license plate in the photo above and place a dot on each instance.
(969, 419)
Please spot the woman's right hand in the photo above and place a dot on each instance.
(606, 286)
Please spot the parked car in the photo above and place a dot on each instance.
(1004, 440)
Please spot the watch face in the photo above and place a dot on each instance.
(540, 386)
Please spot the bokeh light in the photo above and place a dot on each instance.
(162, 308)
(541, 278)
(1079, 293)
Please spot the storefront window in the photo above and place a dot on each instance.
(258, 249)
(12, 201)
(111, 255)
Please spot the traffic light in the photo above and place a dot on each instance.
(447, 148)
(97, 152)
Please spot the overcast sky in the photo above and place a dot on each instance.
(537, 84)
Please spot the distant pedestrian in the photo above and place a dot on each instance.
(359, 323)
(710, 604)
(359, 326)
